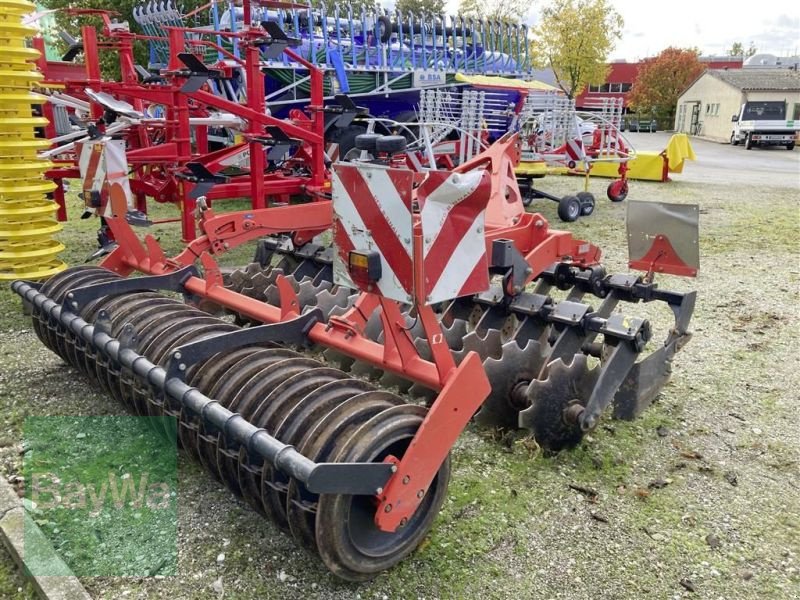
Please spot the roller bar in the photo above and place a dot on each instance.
(319, 478)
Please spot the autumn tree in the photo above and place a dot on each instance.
(71, 24)
(737, 49)
(661, 79)
(574, 39)
(420, 7)
(509, 11)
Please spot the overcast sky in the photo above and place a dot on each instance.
(650, 26)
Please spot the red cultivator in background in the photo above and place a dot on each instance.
(426, 290)
(165, 121)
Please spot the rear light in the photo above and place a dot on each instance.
(364, 267)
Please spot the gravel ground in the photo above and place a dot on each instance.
(699, 498)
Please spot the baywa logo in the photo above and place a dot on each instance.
(100, 495)
(49, 490)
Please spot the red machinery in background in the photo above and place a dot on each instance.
(168, 154)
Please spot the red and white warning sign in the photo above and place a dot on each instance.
(372, 213)
(453, 222)
(373, 230)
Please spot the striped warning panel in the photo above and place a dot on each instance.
(453, 221)
(372, 212)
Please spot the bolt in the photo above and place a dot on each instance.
(406, 479)
(394, 469)
(420, 494)
(379, 490)
(182, 367)
(388, 508)
(403, 521)
(177, 356)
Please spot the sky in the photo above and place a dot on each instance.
(773, 26)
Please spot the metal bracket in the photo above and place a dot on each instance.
(617, 365)
(510, 261)
(294, 331)
(78, 298)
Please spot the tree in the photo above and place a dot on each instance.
(420, 7)
(575, 38)
(507, 11)
(71, 24)
(661, 79)
(738, 50)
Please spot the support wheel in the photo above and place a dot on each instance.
(348, 540)
(569, 209)
(748, 143)
(617, 190)
(734, 141)
(587, 203)
(790, 146)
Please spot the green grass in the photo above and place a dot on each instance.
(102, 490)
(13, 585)
(512, 527)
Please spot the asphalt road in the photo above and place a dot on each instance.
(723, 163)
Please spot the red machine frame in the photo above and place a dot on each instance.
(155, 165)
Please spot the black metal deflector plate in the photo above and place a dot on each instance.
(349, 478)
(294, 332)
(76, 299)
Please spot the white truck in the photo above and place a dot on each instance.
(764, 124)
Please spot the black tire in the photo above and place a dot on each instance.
(617, 190)
(366, 141)
(790, 146)
(348, 541)
(569, 209)
(345, 137)
(734, 141)
(748, 143)
(391, 143)
(385, 27)
(587, 203)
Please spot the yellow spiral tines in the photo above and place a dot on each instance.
(27, 221)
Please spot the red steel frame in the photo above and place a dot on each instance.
(462, 389)
(155, 165)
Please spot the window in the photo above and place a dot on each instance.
(796, 111)
(605, 88)
(626, 87)
(708, 109)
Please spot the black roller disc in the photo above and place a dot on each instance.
(202, 377)
(250, 380)
(147, 328)
(140, 309)
(73, 344)
(273, 411)
(300, 418)
(249, 470)
(53, 288)
(562, 387)
(55, 333)
(317, 444)
(135, 394)
(348, 540)
(516, 367)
